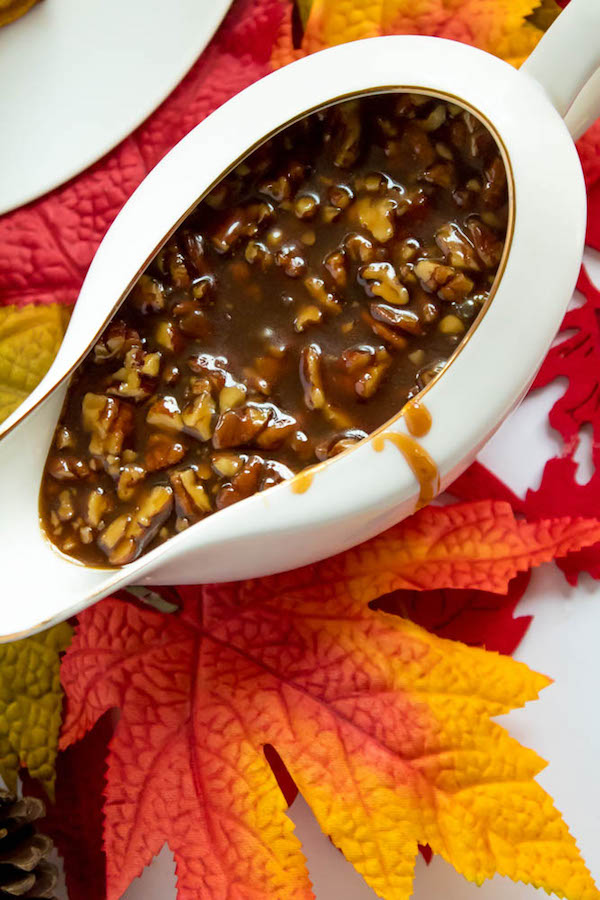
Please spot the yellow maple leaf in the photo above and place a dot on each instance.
(29, 339)
(507, 28)
(31, 705)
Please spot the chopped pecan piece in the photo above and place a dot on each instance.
(191, 499)
(98, 503)
(444, 280)
(191, 318)
(427, 374)
(488, 245)
(370, 381)
(167, 335)
(376, 214)
(109, 422)
(494, 191)
(148, 295)
(436, 117)
(290, 258)
(244, 484)
(67, 467)
(307, 316)
(115, 342)
(66, 508)
(231, 396)
(310, 375)
(193, 245)
(198, 416)
(355, 358)
(165, 413)
(391, 337)
(129, 534)
(405, 319)
(274, 473)
(212, 368)
(162, 451)
(130, 478)
(381, 280)
(457, 248)
(347, 134)
(414, 144)
(306, 206)
(337, 443)
(241, 426)
(318, 290)
(175, 261)
(359, 248)
(442, 174)
(64, 438)
(335, 265)
(242, 222)
(258, 253)
(456, 289)
(279, 427)
(227, 464)
(133, 380)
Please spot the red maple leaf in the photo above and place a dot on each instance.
(478, 618)
(576, 358)
(589, 153)
(74, 819)
(47, 246)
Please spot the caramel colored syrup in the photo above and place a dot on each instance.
(417, 418)
(302, 481)
(418, 422)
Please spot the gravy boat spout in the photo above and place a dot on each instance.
(367, 489)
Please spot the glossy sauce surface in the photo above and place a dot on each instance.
(316, 290)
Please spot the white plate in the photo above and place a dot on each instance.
(77, 77)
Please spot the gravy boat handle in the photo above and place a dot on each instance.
(565, 63)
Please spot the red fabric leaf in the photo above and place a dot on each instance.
(46, 247)
(478, 618)
(593, 223)
(588, 147)
(478, 483)
(576, 358)
(74, 821)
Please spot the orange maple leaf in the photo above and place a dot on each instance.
(385, 728)
(507, 28)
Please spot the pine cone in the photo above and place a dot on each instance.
(24, 870)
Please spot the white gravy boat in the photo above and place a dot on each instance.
(372, 486)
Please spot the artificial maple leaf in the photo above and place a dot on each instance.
(576, 358)
(31, 705)
(506, 28)
(589, 153)
(47, 246)
(478, 483)
(74, 819)
(477, 618)
(29, 340)
(384, 727)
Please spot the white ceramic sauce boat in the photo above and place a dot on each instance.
(363, 491)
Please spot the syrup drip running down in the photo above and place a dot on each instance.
(423, 467)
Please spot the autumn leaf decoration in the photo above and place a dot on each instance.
(385, 728)
(29, 340)
(507, 28)
(31, 706)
